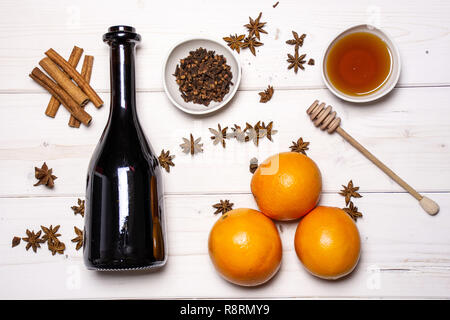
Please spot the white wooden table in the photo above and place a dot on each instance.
(405, 252)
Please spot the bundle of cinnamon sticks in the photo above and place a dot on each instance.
(67, 86)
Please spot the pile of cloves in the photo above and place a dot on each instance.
(203, 76)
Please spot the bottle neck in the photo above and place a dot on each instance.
(123, 89)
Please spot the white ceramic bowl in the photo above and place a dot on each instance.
(180, 51)
(393, 75)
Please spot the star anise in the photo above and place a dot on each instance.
(311, 62)
(251, 43)
(223, 206)
(237, 133)
(192, 146)
(297, 41)
(253, 165)
(56, 247)
(296, 61)
(50, 234)
(352, 211)
(79, 238)
(255, 27)
(252, 133)
(266, 95)
(235, 42)
(15, 242)
(45, 176)
(260, 129)
(219, 135)
(349, 191)
(33, 240)
(300, 146)
(165, 160)
(79, 209)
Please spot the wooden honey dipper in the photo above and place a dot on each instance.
(326, 119)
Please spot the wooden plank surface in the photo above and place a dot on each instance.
(406, 253)
(409, 131)
(420, 28)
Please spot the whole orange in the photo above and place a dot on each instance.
(327, 242)
(287, 186)
(245, 247)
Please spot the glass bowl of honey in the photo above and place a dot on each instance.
(361, 64)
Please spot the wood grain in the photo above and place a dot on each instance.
(420, 28)
(406, 254)
(400, 130)
(325, 119)
(400, 256)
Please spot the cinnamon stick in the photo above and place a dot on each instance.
(56, 58)
(86, 72)
(64, 81)
(59, 93)
(53, 104)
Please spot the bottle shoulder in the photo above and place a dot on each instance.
(122, 150)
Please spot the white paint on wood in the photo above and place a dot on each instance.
(405, 252)
(407, 130)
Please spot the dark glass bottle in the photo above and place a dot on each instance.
(124, 215)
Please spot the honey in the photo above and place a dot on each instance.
(358, 64)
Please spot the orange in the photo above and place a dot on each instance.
(287, 186)
(245, 247)
(327, 242)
